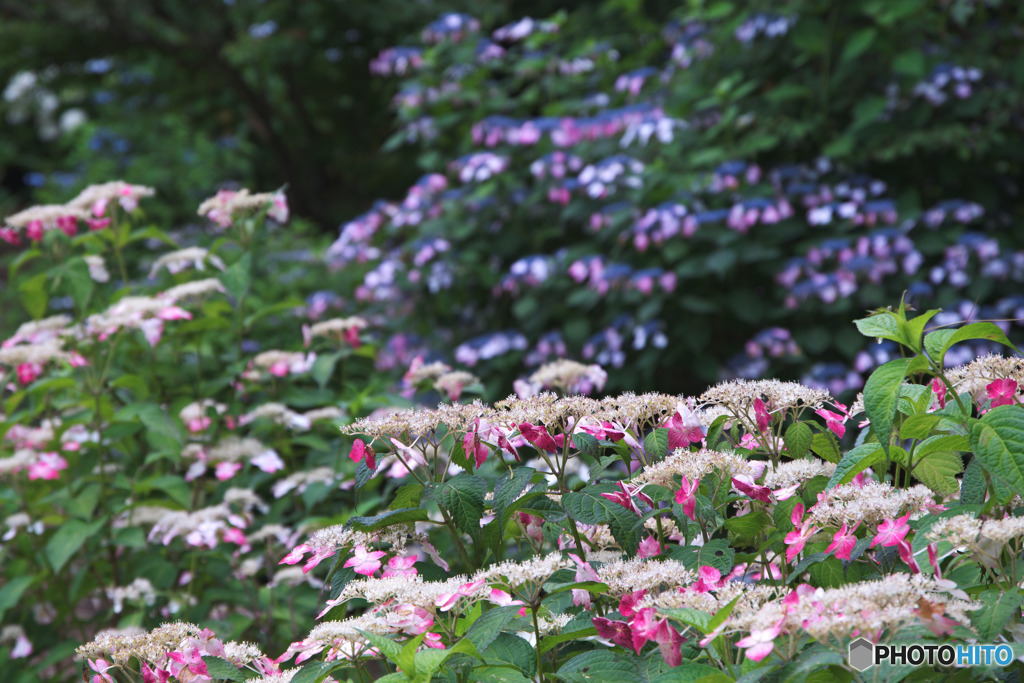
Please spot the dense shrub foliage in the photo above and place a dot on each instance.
(166, 470)
(670, 210)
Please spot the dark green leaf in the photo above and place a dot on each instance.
(798, 439)
(222, 668)
(881, 395)
(68, 539)
(656, 443)
(854, 462)
(999, 607)
(486, 628)
(463, 497)
(998, 441)
(385, 519)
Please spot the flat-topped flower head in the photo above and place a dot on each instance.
(741, 395)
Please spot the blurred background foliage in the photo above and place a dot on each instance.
(924, 98)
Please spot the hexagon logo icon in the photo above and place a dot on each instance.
(861, 654)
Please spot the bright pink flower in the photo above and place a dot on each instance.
(835, 421)
(620, 633)
(760, 643)
(68, 225)
(446, 601)
(279, 369)
(891, 532)
(629, 601)
(198, 424)
(185, 664)
(226, 470)
(34, 230)
(1002, 392)
(101, 666)
(360, 450)
(364, 562)
(761, 493)
(939, 388)
(907, 555)
(48, 466)
(401, 566)
(649, 547)
(843, 542)
(710, 579)
(433, 640)
(174, 313)
(28, 372)
(761, 415)
(475, 449)
(157, 675)
(683, 428)
(296, 554)
(318, 556)
(802, 590)
(584, 572)
(798, 537)
(625, 495)
(502, 599)
(97, 223)
(687, 497)
(236, 536)
(538, 436)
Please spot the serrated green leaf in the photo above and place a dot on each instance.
(491, 623)
(798, 439)
(749, 524)
(998, 441)
(919, 425)
(550, 642)
(687, 672)
(883, 325)
(462, 497)
(599, 666)
(937, 343)
(999, 608)
(497, 674)
(938, 469)
(806, 562)
(511, 649)
(385, 519)
(656, 443)
(824, 444)
(407, 496)
(510, 487)
(689, 616)
(388, 647)
(222, 668)
(715, 553)
(854, 462)
(973, 485)
(314, 672)
(881, 395)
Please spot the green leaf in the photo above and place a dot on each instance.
(883, 325)
(656, 443)
(407, 657)
(509, 488)
(811, 660)
(937, 343)
(553, 641)
(806, 562)
(689, 616)
(68, 539)
(79, 282)
(828, 574)
(589, 504)
(915, 328)
(973, 485)
(798, 439)
(854, 462)
(497, 674)
(314, 672)
(881, 396)
(920, 425)
(599, 666)
(938, 469)
(750, 524)
(715, 553)
(513, 650)
(34, 295)
(998, 441)
(236, 279)
(385, 519)
(825, 445)
(463, 497)
(429, 661)
(323, 368)
(12, 592)
(407, 496)
(222, 668)
(687, 672)
(491, 623)
(999, 608)
(388, 647)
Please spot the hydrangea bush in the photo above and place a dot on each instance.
(183, 502)
(671, 209)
